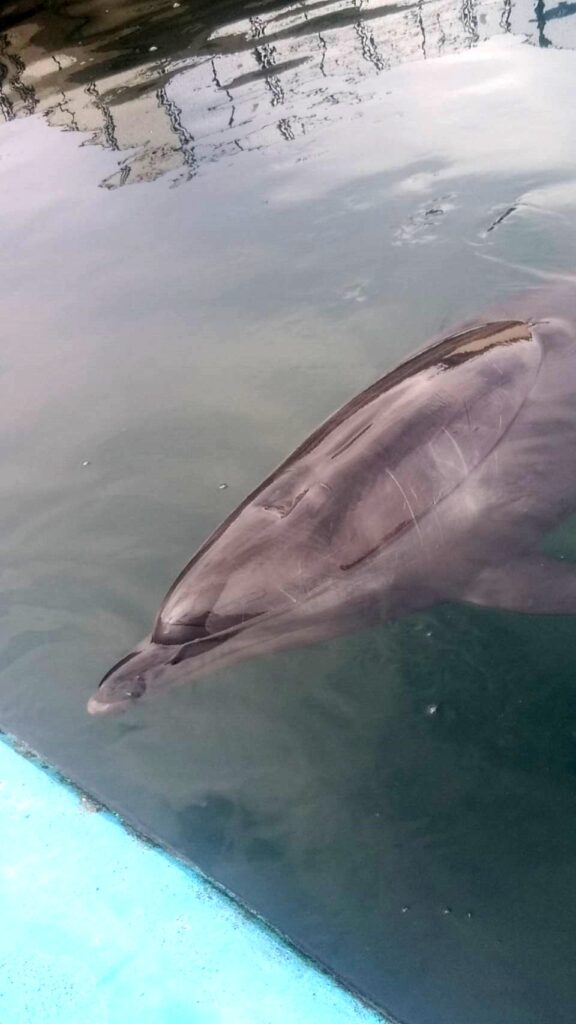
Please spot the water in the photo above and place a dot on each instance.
(218, 222)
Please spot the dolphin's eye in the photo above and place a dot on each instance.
(137, 689)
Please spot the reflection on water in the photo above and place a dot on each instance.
(399, 802)
(171, 87)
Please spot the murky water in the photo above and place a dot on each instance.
(218, 222)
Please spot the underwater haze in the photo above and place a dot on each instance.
(219, 221)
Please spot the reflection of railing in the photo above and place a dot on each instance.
(110, 140)
(6, 107)
(365, 33)
(506, 16)
(185, 138)
(68, 117)
(12, 68)
(470, 21)
(300, 63)
(540, 12)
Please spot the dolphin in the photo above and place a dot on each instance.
(435, 484)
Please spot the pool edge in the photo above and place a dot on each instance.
(101, 923)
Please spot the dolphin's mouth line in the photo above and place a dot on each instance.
(194, 647)
(242, 627)
(101, 708)
(119, 664)
(220, 633)
(262, 618)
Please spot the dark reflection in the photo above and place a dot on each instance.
(174, 87)
(506, 16)
(540, 11)
(562, 10)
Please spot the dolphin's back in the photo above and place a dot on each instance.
(367, 475)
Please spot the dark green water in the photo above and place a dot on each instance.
(218, 221)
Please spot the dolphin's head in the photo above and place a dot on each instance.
(152, 668)
(131, 679)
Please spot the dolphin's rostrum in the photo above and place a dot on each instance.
(435, 484)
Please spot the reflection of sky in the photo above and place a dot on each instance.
(174, 95)
(417, 148)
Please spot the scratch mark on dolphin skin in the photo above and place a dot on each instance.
(405, 496)
(457, 447)
(414, 495)
(496, 449)
(468, 415)
(351, 441)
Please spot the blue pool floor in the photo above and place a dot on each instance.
(100, 928)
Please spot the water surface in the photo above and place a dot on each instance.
(219, 221)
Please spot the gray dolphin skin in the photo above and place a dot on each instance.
(435, 484)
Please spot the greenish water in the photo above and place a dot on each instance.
(219, 221)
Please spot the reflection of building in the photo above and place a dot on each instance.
(146, 130)
(241, 85)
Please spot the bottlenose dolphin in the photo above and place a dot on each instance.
(435, 484)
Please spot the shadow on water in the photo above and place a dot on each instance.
(172, 87)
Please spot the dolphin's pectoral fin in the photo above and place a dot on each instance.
(536, 585)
